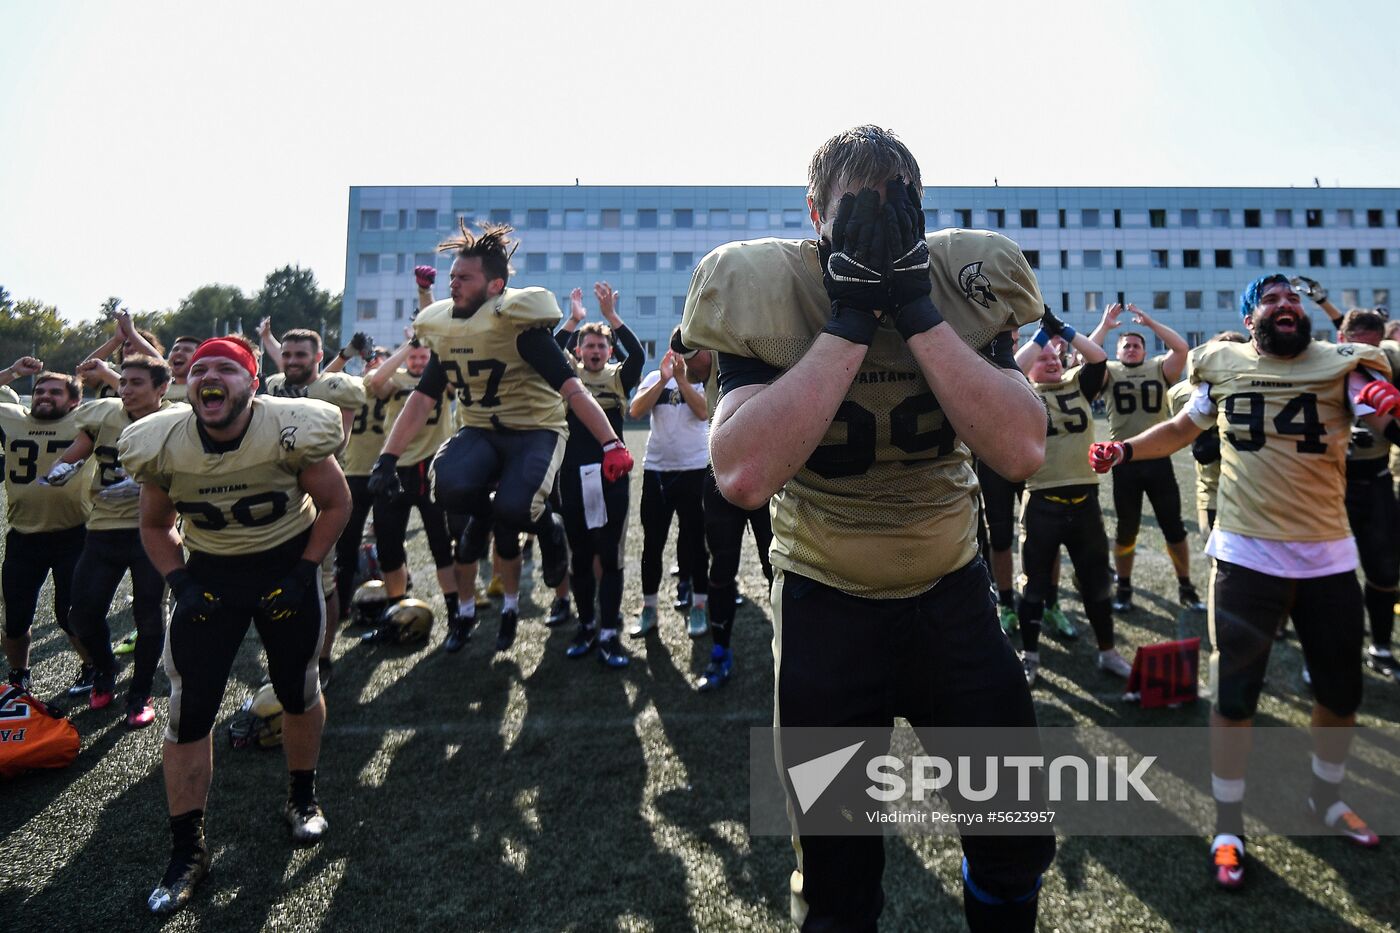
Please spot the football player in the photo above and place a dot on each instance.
(301, 377)
(8, 375)
(261, 502)
(113, 544)
(366, 439)
(673, 483)
(47, 524)
(594, 532)
(393, 382)
(1205, 450)
(844, 386)
(126, 340)
(1284, 405)
(179, 359)
(1137, 399)
(495, 346)
(1062, 502)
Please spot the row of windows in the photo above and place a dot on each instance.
(399, 264)
(760, 218)
(1195, 300)
(367, 309)
(1222, 258)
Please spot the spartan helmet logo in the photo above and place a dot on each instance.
(975, 286)
(289, 437)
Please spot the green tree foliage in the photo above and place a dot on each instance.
(292, 299)
(28, 328)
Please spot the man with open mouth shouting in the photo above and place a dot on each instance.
(263, 502)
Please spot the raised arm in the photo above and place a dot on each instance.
(424, 277)
(272, 349)
(1107, 323)
(24, 366)
(646, 400)
(1177, 347)
(1313, 289)
(381, 381)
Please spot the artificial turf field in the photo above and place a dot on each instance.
(526, 791)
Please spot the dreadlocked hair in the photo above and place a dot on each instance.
(492, 245)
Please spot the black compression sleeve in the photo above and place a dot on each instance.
(738, 371)
(565, 337)
(635, 359)
(537, 347)
(1001, 350)
(434, 379)
(1092, 377)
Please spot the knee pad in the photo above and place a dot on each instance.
(1238, 704)
(391, 555)
(512, 512)
(472, 543)
(1341, 693)
(1000, 535)
(1172, 529)
(507, 542)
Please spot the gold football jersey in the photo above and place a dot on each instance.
(1284, 427)
(8, 396)
(1366, 445)
(495, 387)
(1069, 431)
(1207, 474)
(366, 434)
(336, 389)
(605, 385)
(887, 503)
(240, 501)
(31, 448)
(104, 420)
(1136, 397)
(177, 392)
(435, 430)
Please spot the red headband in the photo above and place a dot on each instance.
(222, 346)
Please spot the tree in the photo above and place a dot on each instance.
(205, 312)
(28, 328)
(292, 299)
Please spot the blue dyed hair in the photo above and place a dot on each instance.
(1249, 298)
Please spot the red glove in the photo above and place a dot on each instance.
(1105, 456)
(617, 462)
(1380, 395)
(426, 276)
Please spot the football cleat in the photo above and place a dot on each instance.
(140, 715)
(126, 646)
(1058, 623)
(1009, 620)
(645, 622)
(1123, 601)
(1382, 662)
(182, 876)
(584, 640)
(683, 596)
(1343, 821)
(559, 612)
(505, 635)
(1227, 861)
(84, 682)
(101, 696)
(19, 677)
(1189, 598)
(1030, 666)
(1111, 662)
(459, 630)
(306, 821)
(1307, 676)
(495, 589)
(698, 622)
(718, 671)
(611, 653)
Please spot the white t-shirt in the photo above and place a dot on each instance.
(678, 440)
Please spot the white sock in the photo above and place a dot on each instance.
(466, 608)
(1225, 838)
(1331, 772)
(649, 601)
(1227, 790)
(510, 602)
(607, 633)
(701, 600)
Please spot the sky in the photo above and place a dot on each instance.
(150, 148)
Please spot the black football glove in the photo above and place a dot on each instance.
(910, 290)
(384, 478)
(361, 344)
(192, 601)
(1051, 324)
(285, 600)
(853, 265)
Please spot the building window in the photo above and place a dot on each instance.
(964, 216)
(684, 218)
(398, 309)
(573, 219)
(997, 217)
(1317, 258)
(1193, 301)
(1381, 296)
(1220, 217)
(1092, 301)
(1064, 302)
(536, 262)
(1157, 218)
(1346, 217)
(1313, 217)
(1030, 218)
(1251, 217)
(1117, 219)
(1118, 259)
(1351, 297)
(646, 306)
(1089, 217)
(369, 264)
(500, 215)
(1194, 338)
(719, 217)
(370, 220)
(1254, 258)
(1375, 218)
(646, 262)
(646, 218)
(678, 305)
(682, 262)
(793, 219)
(537, 219)
(1064, 259)
(1283, 217)
(1224, 259)
(1191, 259)
(612, 218)
(1348, 258)
(1285, 258)
(1093, 259)
(423, 259)
(1224, 301)
(1378, 258)
(1062, 226)
(1190, 217)
(1160, 259)
(573, 262)
(931, 220)
(401, 263)
(609, 262)
(1161, 301)
(758, 219)
(1032, 258)
(366, 309)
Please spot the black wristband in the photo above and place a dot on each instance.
(851, 324)
(178, 578)
(1127, 451)
(392, 458)
(917, 317)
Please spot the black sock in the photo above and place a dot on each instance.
(1380, 609)
(1053, 597)
(187, 831)
(302, 786)
(453, 604)
(1007, 598)
(1185, 583)
(720, 632)
(1229, 818)
(1028, 615)
(1324, 794)
(1125, 584)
